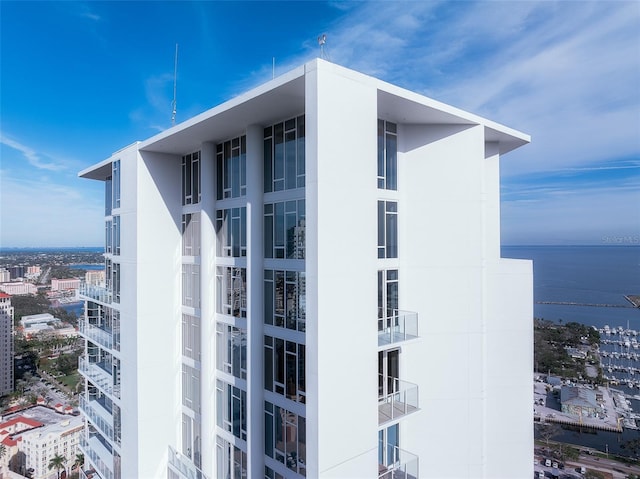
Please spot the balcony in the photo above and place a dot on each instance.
(99, 416)
(400, 464)
(103, 337)
(98, 456)
(397, 400)
(98, 376)
(183, 466)
(95, 293)
(88, 474)
(402, 326)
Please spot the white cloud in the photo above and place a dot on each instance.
(30, 155)
(36, 213)
(565, 72)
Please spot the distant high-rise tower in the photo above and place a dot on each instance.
(306, 281)
(6, 344)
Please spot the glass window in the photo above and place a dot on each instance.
(231, 164)
(191, 285)
(115, 175)
(231, 232)
(108, 248)
(387, 155)
(231, 460)
(284, 368)
(231, 346)
(233, 402)
(191, 179)
(284, 229)
(285, 437)
(231, 284)
(285, 299)
(387, 229)
(115, 282)
(191, 388)
(108, 196)
(191, 442)
(191, 336)
(116, 235)
(191, 234)
(284, 159)
(387, 297)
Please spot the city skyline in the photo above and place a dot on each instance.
(82, 79)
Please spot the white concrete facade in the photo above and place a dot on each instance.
(16, 288)
(41, 445)
(237, 333)
(6, 345)
(64, 284)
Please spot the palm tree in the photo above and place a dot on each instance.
(79, 460)
(3, 452)
(57, 463)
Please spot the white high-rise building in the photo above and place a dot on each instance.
(306, 281)
(6, 344)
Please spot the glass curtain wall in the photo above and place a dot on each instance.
(284, 296)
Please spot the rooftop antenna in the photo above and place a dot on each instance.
(175, 80)
(322, 39)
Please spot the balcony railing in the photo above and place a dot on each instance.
(99, 377)
(397, 399)
(402, 326)
(98, 335)
(400, 464)
(182, 465)
(90, 450)
(96, 293)
(100, 417)
(90, 474)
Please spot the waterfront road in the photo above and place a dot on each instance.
(618, 470)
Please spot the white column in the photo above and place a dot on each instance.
(207, 305)
(255, 310)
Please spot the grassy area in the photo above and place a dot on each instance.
(71, 381)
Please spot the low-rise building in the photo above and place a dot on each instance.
(36, 435)
(42, 318)
(45, 323)
(18, 288)
(64, 284)
(11, 436)
(579, 401)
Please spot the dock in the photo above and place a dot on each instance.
(612, 418)
(633, 299)
(592, 305)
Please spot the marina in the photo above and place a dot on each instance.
(620, 355)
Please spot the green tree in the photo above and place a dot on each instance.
(3, 453)
(68, 363)
(633, 446)
(548, 431)
(57, 463)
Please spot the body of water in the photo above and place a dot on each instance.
(590, 275)
(87, 267)
(77, 308)
(584, 274)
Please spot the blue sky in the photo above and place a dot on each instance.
(80, 80)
